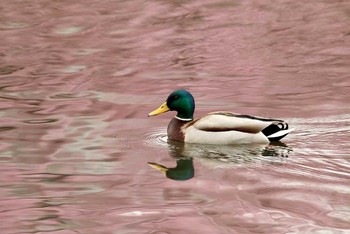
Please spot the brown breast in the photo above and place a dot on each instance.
(174, 130)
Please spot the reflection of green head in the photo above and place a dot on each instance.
(184, 169)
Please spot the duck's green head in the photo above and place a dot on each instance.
(181, 101)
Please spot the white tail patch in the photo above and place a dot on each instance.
(280, 133)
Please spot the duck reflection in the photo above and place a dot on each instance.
(213, 156)
(184, 169)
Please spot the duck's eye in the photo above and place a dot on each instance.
(176, 97)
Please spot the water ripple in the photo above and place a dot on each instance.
(155, 138)
(40, 121)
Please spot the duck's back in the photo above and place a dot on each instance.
(230, 128)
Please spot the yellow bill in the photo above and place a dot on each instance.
(158, 167)
(163, 108)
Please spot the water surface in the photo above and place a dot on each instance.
(77, 80)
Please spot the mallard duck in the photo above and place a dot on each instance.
(217, 127)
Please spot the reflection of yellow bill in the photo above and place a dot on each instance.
(158, 167)
(163, 108)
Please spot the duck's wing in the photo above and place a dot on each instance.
(226, 121)
(230, 128)
(273, 129)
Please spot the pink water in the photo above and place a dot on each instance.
(78, 79)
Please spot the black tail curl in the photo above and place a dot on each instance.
(274, 128)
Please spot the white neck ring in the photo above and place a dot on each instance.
(183, 119)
